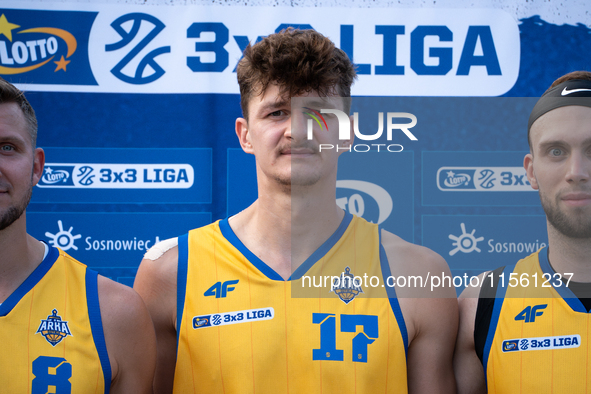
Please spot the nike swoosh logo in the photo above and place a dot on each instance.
(566, 92)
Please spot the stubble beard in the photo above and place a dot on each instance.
(14, 212)
(577, 225)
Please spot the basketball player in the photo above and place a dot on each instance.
(534, 338)
(63, 328)
(224, 298)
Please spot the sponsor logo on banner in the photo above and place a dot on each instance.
(356, 204)
(117, 176)
(181, 49)
(45, 47)
(66, 240)
(483, 179)
(467, 242)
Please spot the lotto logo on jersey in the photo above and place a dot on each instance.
(482, 179)
(542, 343)
(117, 176)
(223, 319)
(54, 329)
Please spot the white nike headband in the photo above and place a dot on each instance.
(573, 92)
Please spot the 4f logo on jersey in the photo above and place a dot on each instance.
(221, 289)
(346, 286)
(530, 312)
(54, 329)
(127, 35)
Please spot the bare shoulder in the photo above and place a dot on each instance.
(160, 263)
(156, 280)
(468, 369)
(129, 336)
(156, 283)
(406, 258)
(430, 313)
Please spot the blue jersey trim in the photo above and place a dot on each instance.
(96, 325)
(567, 294)
(391, 291)
(323, 249)
(31, 281)
(494, 320)
(181, 282)
(269, 272)
(229, 234)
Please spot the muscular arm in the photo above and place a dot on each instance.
(156, 284)
(467, 366)
(431, 317)
(129, 336)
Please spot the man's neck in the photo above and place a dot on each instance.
(569, 255)
(20, 255)
(284, 229)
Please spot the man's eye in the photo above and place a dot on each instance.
(276, 113)
(7, 148)
(556, 152)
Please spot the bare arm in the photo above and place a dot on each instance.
(129, 336)
(156, 284)
(467, 366)
(430, 352)
(431, 317)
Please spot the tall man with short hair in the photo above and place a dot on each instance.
(64, 328)
(224, 298)
(536, 338)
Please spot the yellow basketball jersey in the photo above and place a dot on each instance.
(52, 334)
(243, 329)
(538, 340)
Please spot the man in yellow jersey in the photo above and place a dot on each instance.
(63, 328)
(533, 337)
(222, 298)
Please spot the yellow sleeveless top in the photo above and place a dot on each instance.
(52, 334)
(243, 329)
(538, 340)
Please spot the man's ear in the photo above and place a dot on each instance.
(528, 164)
(243, 135)
(38, 164)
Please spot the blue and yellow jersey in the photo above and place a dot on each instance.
(538, 340)
(243, 329)
(52, 334)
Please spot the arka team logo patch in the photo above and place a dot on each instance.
(54, 329)
(347, 286)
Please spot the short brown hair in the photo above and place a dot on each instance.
(298, 61)
(584, 75)
(10, 94)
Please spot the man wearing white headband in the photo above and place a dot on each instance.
(532, 336)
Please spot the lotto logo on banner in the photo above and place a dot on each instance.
(125, 175)
(482, 179)
(195, 49)
(483, 242)
(476, 178)
(112, 243)
(46, 47)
